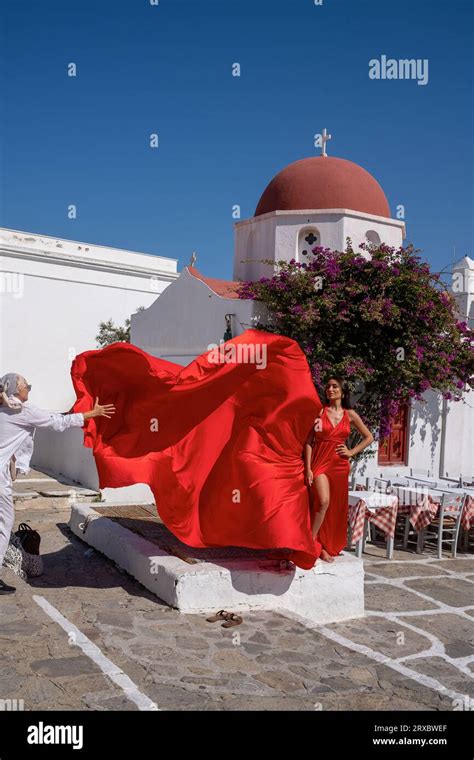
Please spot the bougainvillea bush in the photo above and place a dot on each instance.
(383, 320)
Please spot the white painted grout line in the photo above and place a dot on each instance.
(447, 574)
(400, 584)
(437, 646)
(460, 664)
(419, 613)
(424, 561)
(428, 681)
(378, 578)
(115, 673)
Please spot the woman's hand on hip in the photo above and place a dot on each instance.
(343, 451)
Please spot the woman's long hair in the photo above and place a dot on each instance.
(344, 386)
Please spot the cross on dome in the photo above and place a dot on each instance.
(324, 139)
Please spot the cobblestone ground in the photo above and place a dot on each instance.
(414, 650)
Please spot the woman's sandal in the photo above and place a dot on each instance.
(221, 615)
(231, 620)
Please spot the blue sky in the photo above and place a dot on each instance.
(167, 69)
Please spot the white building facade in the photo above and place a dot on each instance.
(192, 315)
(53, 295)
(282, 236)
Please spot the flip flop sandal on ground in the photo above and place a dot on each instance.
(221, 615)
(232, 620)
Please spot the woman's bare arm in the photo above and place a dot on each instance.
(308, 455)
(367, 437)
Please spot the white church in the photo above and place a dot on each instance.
(54, 293)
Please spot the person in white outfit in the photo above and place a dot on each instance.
(18, 422)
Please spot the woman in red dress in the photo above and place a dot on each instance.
(327, 466)
(219, 441)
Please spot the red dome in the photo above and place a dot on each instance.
(323, 182)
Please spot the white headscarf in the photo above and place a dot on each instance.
(9, 386)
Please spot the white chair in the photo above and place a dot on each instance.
(401, 481)
(420, 473)
(445, 528)
(460, 480)
(450, 482)
(419, 479)
(424, 486)
(359, 483)
(382, 485)
(407, 498)
(370, 483)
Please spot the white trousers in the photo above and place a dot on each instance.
(7, 512)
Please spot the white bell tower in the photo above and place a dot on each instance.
(316, 201)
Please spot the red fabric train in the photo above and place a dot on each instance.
(219, 441)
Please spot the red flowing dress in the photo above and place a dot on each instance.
(220, 443)
(325, 460)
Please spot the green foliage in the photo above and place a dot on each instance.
(112, 333)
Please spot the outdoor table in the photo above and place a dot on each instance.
(426, 506)
(467, 519)
(380, 509)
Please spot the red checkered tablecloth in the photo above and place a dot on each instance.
(422, 513)
(467, 519)
(384, 518)
(425, 510)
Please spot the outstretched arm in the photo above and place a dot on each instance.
(99, 411)
(60, 422)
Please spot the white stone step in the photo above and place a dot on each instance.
(325, 594)
(66, 492)
(22, 479)
(24, 495)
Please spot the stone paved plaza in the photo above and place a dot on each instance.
(414, 650)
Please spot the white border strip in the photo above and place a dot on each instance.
(428, 681)
(107, 667)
